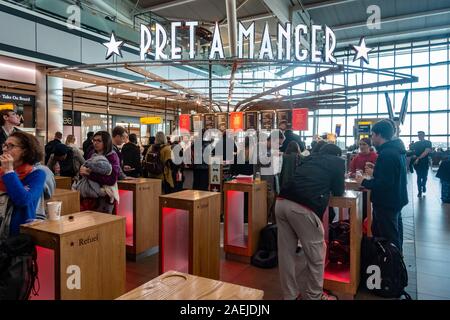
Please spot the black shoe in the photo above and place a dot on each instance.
(424, 189)
(419, 195)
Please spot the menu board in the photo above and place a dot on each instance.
(251, 120)
(197, 122)
(222, 121)
(267, 120)
(209, 121)
(284, 115)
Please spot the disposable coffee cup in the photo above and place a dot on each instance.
(54, 210)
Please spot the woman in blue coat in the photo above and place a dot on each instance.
(20, 181)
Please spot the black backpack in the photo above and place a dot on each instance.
(379, 252)
(18, 268)
(266, 256)
(152, 162)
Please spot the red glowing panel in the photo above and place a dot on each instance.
(237, 121)
(175, 240)
(300, 119)
(46, 274)
(235, 220)
(125, 209)
(337, 272)
(185, 122)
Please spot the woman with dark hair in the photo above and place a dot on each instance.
(103, 146)
(366, 156)
(21, 184)
(131, 154)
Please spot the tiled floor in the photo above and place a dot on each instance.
(426, 249)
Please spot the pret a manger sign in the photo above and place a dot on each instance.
(289, 45)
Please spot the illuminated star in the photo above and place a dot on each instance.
(361, 51)
(113, 47)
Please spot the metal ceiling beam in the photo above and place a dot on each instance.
(281, 8)
(239, 6)
(166, 5)
(301, 79)
(406, 17)
(388, 37)
(321, 4)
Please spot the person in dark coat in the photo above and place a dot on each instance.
(50, 146)
(388, 184)
(299, 210)
(289, 136)
(87, 144)
(131, 154)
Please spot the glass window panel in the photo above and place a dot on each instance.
(386, 60)
(309, 132)
(419, 101)
(406, 140)
(420, 56)
(350, 141)
(402, 58)
(438, 75)
(373, 60)
(422, 74)
(369, 103)
(438, 123)
(419, 123)
(324, 125)
(439, 142)
(350, 125)
(438, 100)
(341, 121)
(405, 128)
(438, 54)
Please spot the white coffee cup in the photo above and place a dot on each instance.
(54, 210)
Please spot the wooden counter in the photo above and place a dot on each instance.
(241, 244)
(70, 200)
(190, 233)
(80, 257)
(63, 182)
(139, 200)
(174, 285)
(345, 279)
(351, 184)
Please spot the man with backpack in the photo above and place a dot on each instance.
(299, 210)
(388, 184)
(157, 162)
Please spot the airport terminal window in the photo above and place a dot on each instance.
(428, 105)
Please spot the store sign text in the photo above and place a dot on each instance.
(289, 42)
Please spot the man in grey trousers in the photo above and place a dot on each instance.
(299, 211)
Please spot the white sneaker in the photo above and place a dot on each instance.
(326, 296)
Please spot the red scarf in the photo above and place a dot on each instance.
(22, 171)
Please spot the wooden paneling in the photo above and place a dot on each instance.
(70, 200)
(257, 215)
(95, 243)
(352, 200)
(204, 229)
(63, 182)
(146, 194)
(180, 286)
(351, 184)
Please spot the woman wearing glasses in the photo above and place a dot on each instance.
(21, 184)
(365, 156)
(103, 147)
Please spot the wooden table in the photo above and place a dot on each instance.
(174, 285)
(138, 203)
(70, 200)
(240, 244)
(351, 184)
(63, 182)
(80, 257)
(190, 233)
(345, 279)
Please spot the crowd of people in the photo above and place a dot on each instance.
(300, 182)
